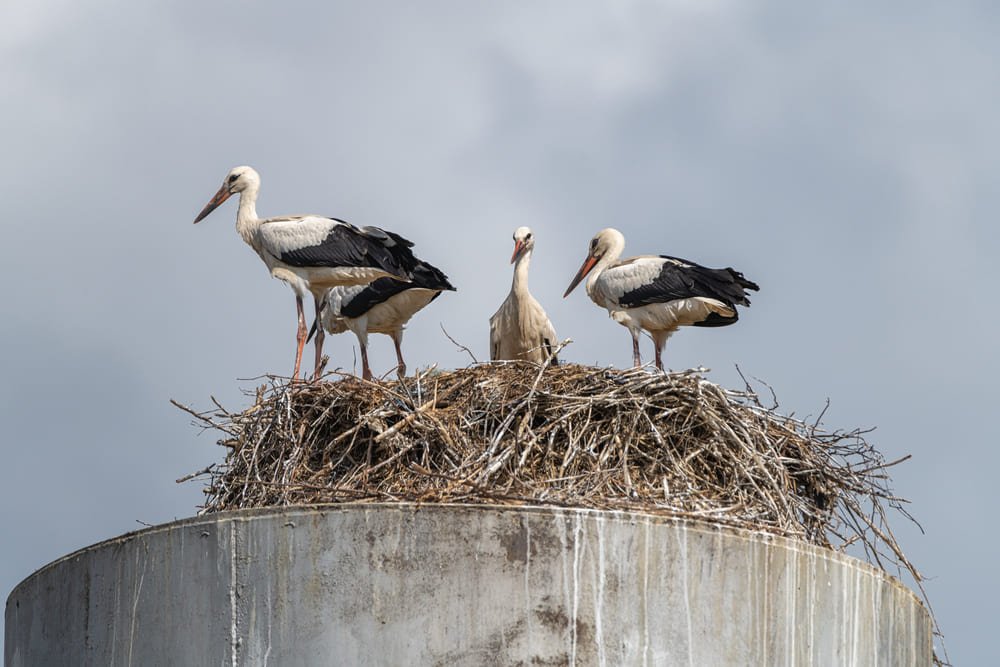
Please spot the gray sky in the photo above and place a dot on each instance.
(842, 156)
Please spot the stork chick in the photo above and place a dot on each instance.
(520, 329)
(384, 306)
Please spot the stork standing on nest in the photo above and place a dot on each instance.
(520, 329)
(312, 253)
(383, 306)
(658, 293)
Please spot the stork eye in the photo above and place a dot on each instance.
(527, 237)
(232, 178)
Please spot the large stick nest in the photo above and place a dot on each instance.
(570, 435)
(579, 436)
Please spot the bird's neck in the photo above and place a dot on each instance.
(604, 262)
(519, 285)
(595, 273)
(247, 221)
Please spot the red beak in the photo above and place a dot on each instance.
(220, 196)
(588, 264)
(519, 247)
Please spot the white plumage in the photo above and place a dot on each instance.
(658, 293)
(520, 329)
(312, 253)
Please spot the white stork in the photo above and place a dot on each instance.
(312, 253)
(520, 329)
(383, 306)
(658, 293)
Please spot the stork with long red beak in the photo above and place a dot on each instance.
(312, 253)
(520, 329)
(658, 293)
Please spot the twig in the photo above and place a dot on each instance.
(459, 345)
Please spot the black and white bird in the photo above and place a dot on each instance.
(658, 293)
(520, 329)
(312, 253)
(383, 306)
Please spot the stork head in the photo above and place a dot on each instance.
(606, 243)
(238, 180)
(524, 242)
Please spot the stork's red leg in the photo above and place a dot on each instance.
(635, 349)
(366, 372)
(659, 361)
(300, 338)
(320, 334)
(397, 338)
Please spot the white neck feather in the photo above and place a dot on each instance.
(519, 286)
(615, 247)
(247, 221)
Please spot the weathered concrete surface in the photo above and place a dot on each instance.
(400, 585)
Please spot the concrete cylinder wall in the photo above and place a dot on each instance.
(380, 584)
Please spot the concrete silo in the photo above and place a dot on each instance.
(398, 584)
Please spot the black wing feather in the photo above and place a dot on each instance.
(423, 275)
(683, 279)
(550, 348)
(346, 245)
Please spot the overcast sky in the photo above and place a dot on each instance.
(843, 156)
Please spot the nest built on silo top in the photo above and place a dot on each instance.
(569, 436)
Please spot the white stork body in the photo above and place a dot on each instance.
(658, 293)
(383, 306)
(312, 253)
(520, 329)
